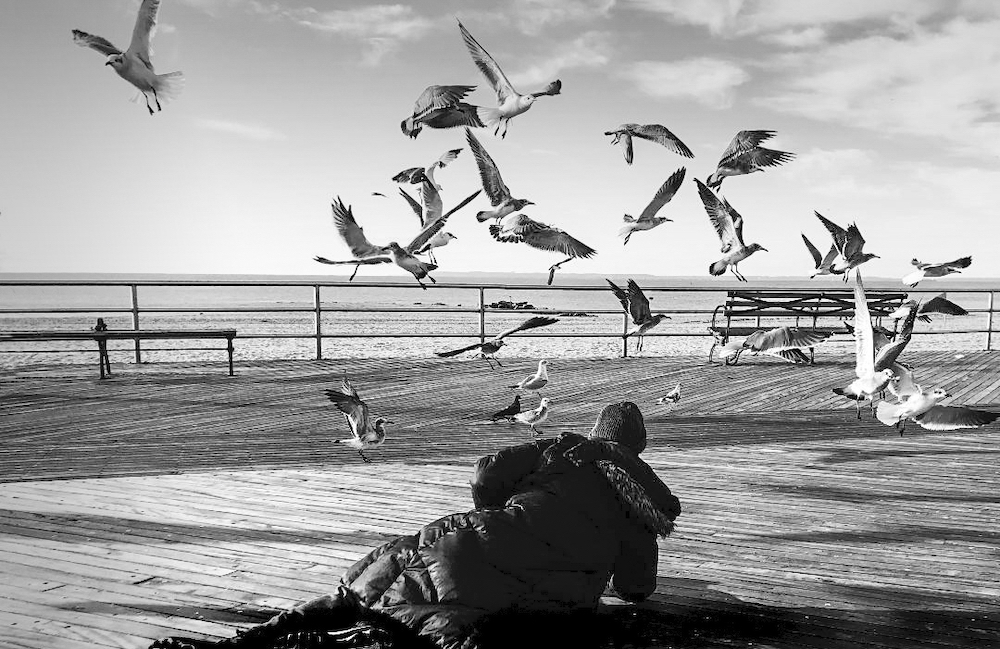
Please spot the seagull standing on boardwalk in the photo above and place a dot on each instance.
(491, 347)
(729, 226)
(534, 382)
(648, 219)
(415, 175)
(824, 265)
(366, 432)
(441, 107)
(501, 200)
(849, 244)
(744, 155)
(134, 64)
(636, 304)
(671, 398)
(508, 412)
(926, 271)
(510, 103)
(534, 417)
(783, 342)
(922, 407)
(652, 132)
(937, 304)
(522, 229)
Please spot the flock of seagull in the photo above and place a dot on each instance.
(444, 107)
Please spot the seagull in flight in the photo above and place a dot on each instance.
(510, 102)
(491, 347)
(744, 155)
(508, 412)
(783, 342)
(729, 226)
(416, 175)
(636, 304)
(366, 253)
(534, 417)
(849, 244)
(522, 229)
(648, 219)
(366, 431)
(441, 107)
(824, 265)
(937, 304)
(500, 198)
(926, 271)
(134, 64)
(534, 382)
(652, 132)
(922, 407)
(431, 205)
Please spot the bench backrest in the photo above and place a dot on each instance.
(823, 304)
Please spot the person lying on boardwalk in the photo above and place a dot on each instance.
(555, 520)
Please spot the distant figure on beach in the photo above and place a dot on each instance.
(554, 521)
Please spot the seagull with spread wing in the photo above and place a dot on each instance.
(648, 219)
(652, 132)
(937, 304)
(744, 155)
(416, 175)
(849, 244)
(510, 103)
(728, 225)
(432, 206)
(134, 64)
(366, 431)
(636, 304)
(824, 264)
(500, 198)
(489, 348)
(522, 229)
(926, 271)
(923, 408)
(783, 342)
(441, 107)
(367, 253)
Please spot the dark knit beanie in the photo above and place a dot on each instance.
(622, 423)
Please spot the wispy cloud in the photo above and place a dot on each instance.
(241, 129)
(711, 82)
(589, 50)
(534, 15)
(383, 28)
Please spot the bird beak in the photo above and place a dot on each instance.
(107, 63)
(530, 203)
(764, 249)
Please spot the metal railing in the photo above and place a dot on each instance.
(318, 308)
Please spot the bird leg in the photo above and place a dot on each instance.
(430, 254)
(148, 107)
(356, 268)
(736, 272)
(487, 359)
(553, 267)
(421, 283)
(361, 453)
(157, 98)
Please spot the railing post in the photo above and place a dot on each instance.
(318, 311)
(625, 317)
(135, 320)
(482, 315)
(989, 323)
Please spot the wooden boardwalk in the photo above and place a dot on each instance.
(174, 499)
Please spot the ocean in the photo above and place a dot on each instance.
(366, 317)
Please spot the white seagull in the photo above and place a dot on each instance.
(783, 342)
(522, 229)
(744, 155)
(133, 64)
(510, 102)
(415, 175)
(937, 304)
(728, 225)
(648, 219)
(534, 382)
(431, 206)
(652, 132)
(922, 407)
(671, 398)
(489, 348)
(441, 107)
(366, 431)
(534, 417)
(501, 200)
(925, 270)
(636, 304)
(824, 265)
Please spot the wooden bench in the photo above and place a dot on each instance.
(804, 310)
(102, 336)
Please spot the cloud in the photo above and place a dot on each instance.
(533, 15)
(383, 28)
(708, 81)
(808, 37)
(589, 50)
(248, 131)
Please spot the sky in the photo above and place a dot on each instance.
(891, 107)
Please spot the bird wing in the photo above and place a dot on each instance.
(638, 303)
(664, 194)
(367, 261)
(440, 97)
(903, 386)
(626, 142)
(455, 352)
(954, 417)
(854, 243)
(145, 26)
(446, 158)
(406, 175)
(99, 43)
(352, 233)
(792, 355)
(488, 66)
(619, 293)
(414, 205)
(433, 207)
(963, 262)
(864, 346)
(744, 141)
(817, 257)
(433, 226)
(888, 353)
(662, 135)
(718, 214)
(461, 114)
(545, 237)
(941, 304)
(554, 88)
(355, 410)
(785, 338)
(760, 157)
(530, 323)
(488, 172)
(838, 233)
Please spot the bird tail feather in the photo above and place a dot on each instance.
(488, 116)
(850, 395)
(717, 268)
(169, 86)
(887, 413)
